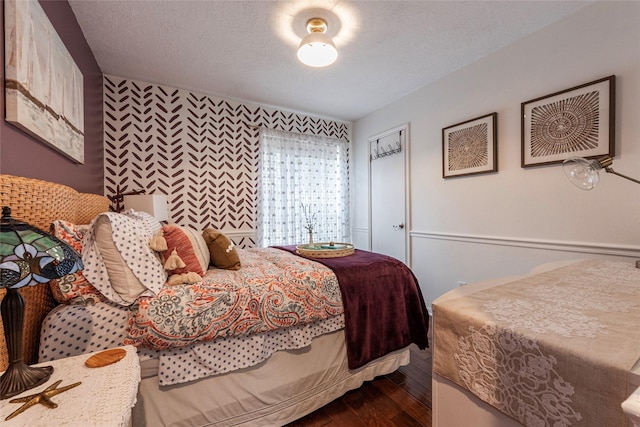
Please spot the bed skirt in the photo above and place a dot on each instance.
(285, 387)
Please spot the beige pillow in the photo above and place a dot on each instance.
(118, 259)
(122, 279)
(222, 250)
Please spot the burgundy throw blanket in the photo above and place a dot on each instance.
(383, 306)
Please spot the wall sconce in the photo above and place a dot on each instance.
(317, 49)
(153, 204)
(584, 173)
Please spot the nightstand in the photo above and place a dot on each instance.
(104, 399)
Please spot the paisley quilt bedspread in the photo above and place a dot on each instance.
(273, 290)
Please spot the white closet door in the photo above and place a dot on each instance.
(388, 196)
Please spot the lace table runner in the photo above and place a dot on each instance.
(553, 349)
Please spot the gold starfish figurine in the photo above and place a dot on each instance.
(44, 398)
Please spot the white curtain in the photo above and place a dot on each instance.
(300, 172)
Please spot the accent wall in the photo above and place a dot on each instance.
(199, 150)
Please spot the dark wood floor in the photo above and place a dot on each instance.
(402, 398)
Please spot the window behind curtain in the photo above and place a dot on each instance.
(296, 170)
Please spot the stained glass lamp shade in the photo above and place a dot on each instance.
(28, 256)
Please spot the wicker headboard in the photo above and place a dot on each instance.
(39, 203)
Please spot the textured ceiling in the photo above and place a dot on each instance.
(246, 49)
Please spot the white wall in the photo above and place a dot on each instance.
(477, 227)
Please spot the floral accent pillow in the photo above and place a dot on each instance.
(73, 288)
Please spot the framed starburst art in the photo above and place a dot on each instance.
(579, 121)
(470, 147)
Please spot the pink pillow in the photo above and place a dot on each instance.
(190, 247)
(73, 288)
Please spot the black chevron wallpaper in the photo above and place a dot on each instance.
(200, 150)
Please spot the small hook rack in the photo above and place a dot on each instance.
(380, 152)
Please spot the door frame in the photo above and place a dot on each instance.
(404, 127)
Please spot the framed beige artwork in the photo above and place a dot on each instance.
(470, 147)
(579, 121)
(44, 94)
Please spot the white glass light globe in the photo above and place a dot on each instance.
(317, 50)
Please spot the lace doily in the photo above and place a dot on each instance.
(104, 399)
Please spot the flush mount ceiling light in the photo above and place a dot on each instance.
(317, 49)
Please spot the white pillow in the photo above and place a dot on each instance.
(118, 260)
(150, 222)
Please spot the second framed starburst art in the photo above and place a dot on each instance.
(470, 147)
(579, 121)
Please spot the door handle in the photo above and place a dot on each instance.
(399, 226)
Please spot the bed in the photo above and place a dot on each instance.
(268, 374)
(556, 347)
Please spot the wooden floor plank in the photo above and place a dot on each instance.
(409, 404)
(337, 414)
(402, 398)
(405, 420)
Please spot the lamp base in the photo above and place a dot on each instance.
(20, 377)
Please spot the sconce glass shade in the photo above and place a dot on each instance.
(153, 204)
(583, 173)
(28, 256)
(317, 50)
